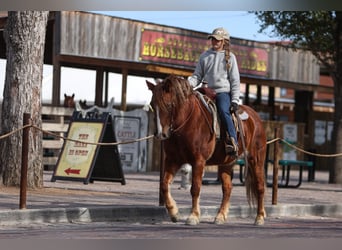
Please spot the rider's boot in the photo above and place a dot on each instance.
(231, 146)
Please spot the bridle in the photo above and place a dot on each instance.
(170, 107)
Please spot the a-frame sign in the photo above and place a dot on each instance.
(81, 159)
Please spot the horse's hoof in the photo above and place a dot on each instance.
(259, 221)
(219, 220)
(192, 221)
(175, 218)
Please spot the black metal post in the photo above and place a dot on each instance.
(24, 162)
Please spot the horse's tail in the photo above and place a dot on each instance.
(253, 181)
(250, 183)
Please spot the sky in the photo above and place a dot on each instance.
(240, 24)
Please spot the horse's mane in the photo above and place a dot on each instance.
(178, 88)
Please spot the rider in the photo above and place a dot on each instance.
(218, 67)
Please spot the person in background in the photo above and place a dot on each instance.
(218, 68)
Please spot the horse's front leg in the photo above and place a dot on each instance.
(197, 174)
(225, 174)
(170, 203)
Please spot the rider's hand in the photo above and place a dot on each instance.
(234, 107)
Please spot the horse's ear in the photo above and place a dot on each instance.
(65, 95)
(73, 95)
(150, 85)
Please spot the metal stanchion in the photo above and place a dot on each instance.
(161, 174)
(275, 169)
(24, 162)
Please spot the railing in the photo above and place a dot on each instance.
(56, 120)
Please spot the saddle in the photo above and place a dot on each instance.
(207, 97)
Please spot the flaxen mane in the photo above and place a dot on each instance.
(178, 87)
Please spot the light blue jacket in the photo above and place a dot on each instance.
(212, 69)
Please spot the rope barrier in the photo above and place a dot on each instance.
(149, 137)
(93, 143)
(14, 131)
(304, 151)
(73, 140)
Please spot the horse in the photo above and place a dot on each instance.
(83, 104)
(185, 126)
(69, 101)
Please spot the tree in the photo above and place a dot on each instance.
(25, 39)
(321, 33)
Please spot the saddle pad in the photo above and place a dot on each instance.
(244, 115)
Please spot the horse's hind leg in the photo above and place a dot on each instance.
(257, 186)
(170, 203)
(225, 174)
(260, 187)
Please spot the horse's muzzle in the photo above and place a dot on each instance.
(161, 136)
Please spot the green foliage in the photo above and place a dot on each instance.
(321, 33)
(309, 30)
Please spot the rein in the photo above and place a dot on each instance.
(183, 124)
(188, 118)
(206, 118)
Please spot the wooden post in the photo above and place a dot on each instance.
(56, 76)
(99, 87)
(124, 89)
(275, 169)
(24, 162)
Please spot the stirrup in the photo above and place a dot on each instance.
(231, 147)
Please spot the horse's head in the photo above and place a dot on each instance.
(168, 96)
(83, 104)
(69, 101)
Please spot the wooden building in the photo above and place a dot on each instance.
(130, 47)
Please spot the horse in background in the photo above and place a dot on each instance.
(185, 125)
(83, 104)
(69, 101)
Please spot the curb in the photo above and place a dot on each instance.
(283, 210)
(151, 214)
(81, 214)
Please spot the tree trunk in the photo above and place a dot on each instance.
(25, 39)
(336, 170)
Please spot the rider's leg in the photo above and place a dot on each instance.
(223, 107)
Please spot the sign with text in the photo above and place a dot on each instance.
(164, 47)
(290, 132)
(128, 129)
(78, 158)
(130, 126)
(251, 60)
(171, 48)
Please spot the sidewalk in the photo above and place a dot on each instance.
(138, 200)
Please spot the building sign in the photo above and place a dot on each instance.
(251, 60)
(171, 48)
(163, 47)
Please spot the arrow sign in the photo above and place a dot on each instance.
(72, 171)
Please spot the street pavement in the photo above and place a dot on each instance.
(65, 201)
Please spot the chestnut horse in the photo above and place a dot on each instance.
(185, 126)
